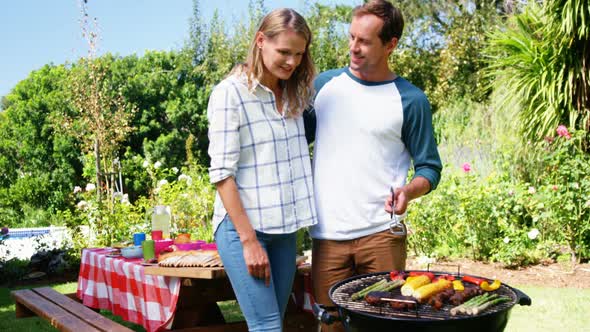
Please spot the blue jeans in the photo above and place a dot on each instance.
(262, 306)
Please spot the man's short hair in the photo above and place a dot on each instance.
(393, 21)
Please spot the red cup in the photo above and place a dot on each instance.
(156, 235)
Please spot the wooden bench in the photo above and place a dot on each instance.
(61, 311)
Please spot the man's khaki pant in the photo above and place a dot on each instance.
(333, 261)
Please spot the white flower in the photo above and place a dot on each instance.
(533, 234)
(532, 190)
(184, 177)
(175, 170)
(588, 203)
(90, 187)
(82, 205)
(145, 164)
(77, 189)
(162, 182)
(576, 185)
(157, 164)
(510, 192)
(125, 199)
(507, 240)
(425, 260)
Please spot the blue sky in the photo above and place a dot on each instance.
(37, 32)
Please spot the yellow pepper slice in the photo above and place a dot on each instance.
(458, 285)
(488, 288)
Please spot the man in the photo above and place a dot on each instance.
(369, 123)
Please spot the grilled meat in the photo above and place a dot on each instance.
(468, 293)
(402, 305)
(374, 298)
(439, 299)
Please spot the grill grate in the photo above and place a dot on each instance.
(424, 312)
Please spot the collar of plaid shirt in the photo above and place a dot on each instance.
(266, 153)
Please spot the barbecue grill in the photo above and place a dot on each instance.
(361, 316)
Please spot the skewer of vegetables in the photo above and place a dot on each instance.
(483, 283)
(382, 285)
(479, 304)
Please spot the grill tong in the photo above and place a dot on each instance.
(397, 225)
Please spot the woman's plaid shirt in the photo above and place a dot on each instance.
(266, 153)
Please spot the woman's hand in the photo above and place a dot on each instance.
(256, 259)
(254, 255)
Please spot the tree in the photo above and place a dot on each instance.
(541, 58)
(102, 116)
(39, 166)
(440, 50)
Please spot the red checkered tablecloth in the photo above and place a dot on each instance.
(121, 286)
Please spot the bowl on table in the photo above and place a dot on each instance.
(209, 246)
(188, 246)
(160, 245)
(132, 252)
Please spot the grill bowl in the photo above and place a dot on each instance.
(360, 316)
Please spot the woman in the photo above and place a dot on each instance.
(261, 168)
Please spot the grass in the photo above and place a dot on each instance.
(553, 309)
(8, 322)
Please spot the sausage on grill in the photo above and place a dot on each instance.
(439, 299)
(374, 298)
(468, 293)
(402, 305)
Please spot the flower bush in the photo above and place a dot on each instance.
(113, 220)
(499, 218)
(187, 192)
(566, 187)
(190, 197)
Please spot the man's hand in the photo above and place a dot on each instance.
(416, 188)
(401, 202)
(256, 260)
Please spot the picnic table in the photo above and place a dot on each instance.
(164, 298)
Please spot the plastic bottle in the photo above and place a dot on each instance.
(161, 217)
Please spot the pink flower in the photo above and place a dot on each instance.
(532, 190)
(466, 167)
(554, 187)
(562, 132)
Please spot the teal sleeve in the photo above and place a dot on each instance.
(418, 134)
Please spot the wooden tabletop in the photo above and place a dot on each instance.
(208, 272)
(187, 272)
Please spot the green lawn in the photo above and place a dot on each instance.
(8, 322)
(553, 309)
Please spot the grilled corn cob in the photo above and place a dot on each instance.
(428, 290)
(411, 285)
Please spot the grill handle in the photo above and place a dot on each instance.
(321, 313)
(522, 299)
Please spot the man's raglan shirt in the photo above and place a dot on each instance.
(366, 134)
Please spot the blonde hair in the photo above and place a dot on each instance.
(299, 87)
